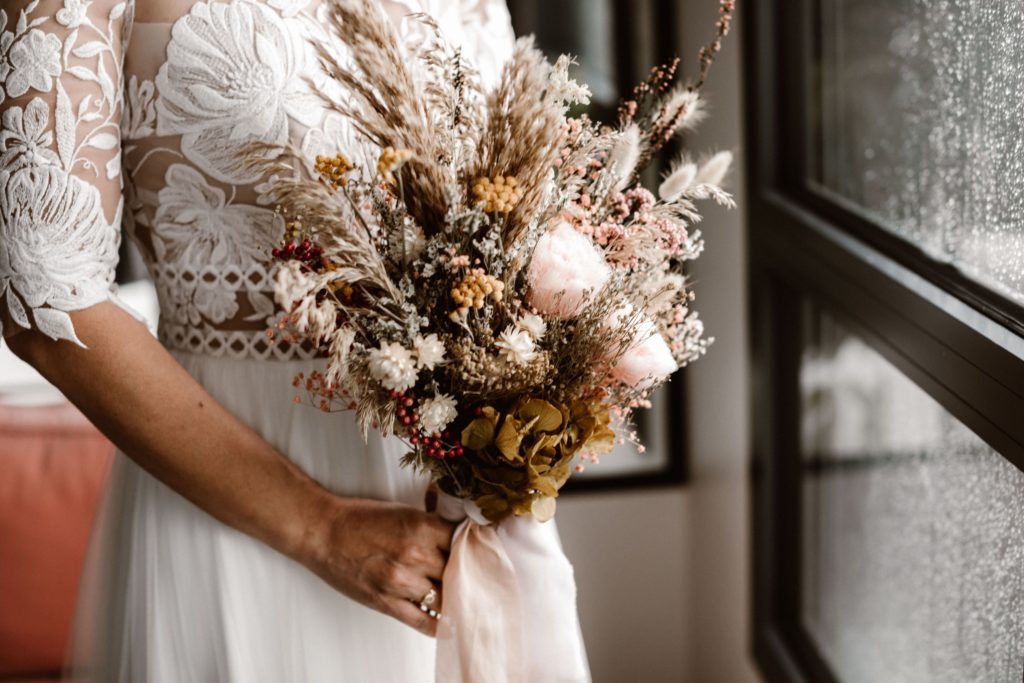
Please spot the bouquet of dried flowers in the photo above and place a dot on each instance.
(491, 284)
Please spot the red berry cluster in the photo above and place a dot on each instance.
(301, 251)
(435, 445)
(406, 415)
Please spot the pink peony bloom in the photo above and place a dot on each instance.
(647, 362)
(566, 271)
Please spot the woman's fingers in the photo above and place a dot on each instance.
(410, 614)
(438, 532)
(431, 562)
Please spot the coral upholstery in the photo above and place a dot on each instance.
(53, 463)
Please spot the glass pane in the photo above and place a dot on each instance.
(913, 531)
(922, 125)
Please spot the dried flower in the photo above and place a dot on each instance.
(533, 325)
(515, 234)
(624, 156)
(647, 362)
(473, 291)
(391, 160)
(429, 351)
(332, 169)
(437, 413)
(393, 366)
(499, 195)
(517, 345)
(681, 111)
(565, 88)
(566, 271)
(713, 171)
(679, 179)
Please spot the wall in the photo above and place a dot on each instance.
(664, 575)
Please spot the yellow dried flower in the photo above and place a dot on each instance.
(497, 195)
(473, 291)
(332, 169)
(391, 160)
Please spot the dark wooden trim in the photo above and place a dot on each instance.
(910, 321)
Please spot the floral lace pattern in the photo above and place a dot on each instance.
(60, 198)
(173, 107)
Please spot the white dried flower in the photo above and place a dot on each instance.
(292, 284)
(517, 345)
(533, 324)
(393, 366)
(624, 156)
(429, 351)
(713, 171)
(678, 181)
(565, 88)
(437, 413)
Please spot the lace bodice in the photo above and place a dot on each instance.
(112, 112)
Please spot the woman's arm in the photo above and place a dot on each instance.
(380, 554)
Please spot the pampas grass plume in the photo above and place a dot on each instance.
(624, 156)
(678, 180)
(714, 169)
(689, 103)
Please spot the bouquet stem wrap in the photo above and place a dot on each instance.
(509, 610)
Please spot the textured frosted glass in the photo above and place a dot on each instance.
(913, 529)
(922, 117)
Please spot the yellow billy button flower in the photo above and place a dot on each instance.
(332, 169)
(473, 290)
(497, 195)
(391, 160)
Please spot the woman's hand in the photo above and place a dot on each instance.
(384, 555)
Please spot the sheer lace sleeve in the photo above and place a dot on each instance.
(60, 155)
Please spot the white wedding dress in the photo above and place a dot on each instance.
(108, 118)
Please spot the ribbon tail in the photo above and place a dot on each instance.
(553, 641)
(479, 637)
(509, 607)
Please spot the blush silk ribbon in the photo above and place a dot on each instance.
(509, 603)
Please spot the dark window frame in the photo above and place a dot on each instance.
(958, 340)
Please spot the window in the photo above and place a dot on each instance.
(911, 567)
(887, 272)
(921, 127)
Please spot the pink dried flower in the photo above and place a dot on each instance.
(566, 271)
(647, 362)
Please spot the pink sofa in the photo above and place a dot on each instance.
(53, 463)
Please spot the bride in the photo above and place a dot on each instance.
(243, 538)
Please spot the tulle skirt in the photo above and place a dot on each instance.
(171, 595)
